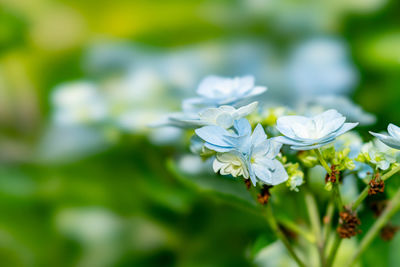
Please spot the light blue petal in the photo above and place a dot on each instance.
(219, 148)
(279, 175)
(387, 140)
(394, 131)
(252, 175)
(284, 124)
(329, 115)
(274, 149)
(345, 128)
(310, 147)
(246, 110)
(262, 172)
(242, 127)
(214, 135)
(258, 135)
(286, 141)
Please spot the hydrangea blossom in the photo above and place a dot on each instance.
(393, 139)
(373, 153)
(304, 133)
(215, 91)
(223, 116)
(78, 103)
(243, 153)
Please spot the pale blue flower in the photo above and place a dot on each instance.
(393, 139)
(215, 91)
(243, 153)
(304, 133)
(223, 116)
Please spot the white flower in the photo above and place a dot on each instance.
(215, 91)
(393, 139)
(230, 163)
(304, 133)
(223, 116)
(78, 103)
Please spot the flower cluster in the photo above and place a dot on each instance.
(222, 117)
(267, 146)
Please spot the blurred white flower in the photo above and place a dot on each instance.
(90, 226)
(321, 66)
(350, 140)
(315, 105)
(215, 91)
(193, 164)
(70, 143)
(78, 103)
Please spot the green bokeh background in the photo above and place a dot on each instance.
(146, 215)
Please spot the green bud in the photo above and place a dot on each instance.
(329, 153)
(328, 186)
(349, 164)
(361, 158)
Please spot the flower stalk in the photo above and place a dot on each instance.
(392, 207)
(364, 193)
(280, 235)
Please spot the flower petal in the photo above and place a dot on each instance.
(214, 135)
(242, 127)
(279, 175)
(394, 131)
(245, 110)
(387, 140)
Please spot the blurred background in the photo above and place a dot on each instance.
(85, 182)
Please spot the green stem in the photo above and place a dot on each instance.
(360, 198)
(274, 226)
(337, 196)
(392, 207)
(315, 224)
(335, 247)
(328, 220)
(364, 193)
(297, 229)
(322, 161)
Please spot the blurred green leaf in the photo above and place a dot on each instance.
(227, 188)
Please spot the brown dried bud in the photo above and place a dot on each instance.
(348, 224)
(264, 195)
(388, 232)
(334, 176)
(376, 185)
(247, 182)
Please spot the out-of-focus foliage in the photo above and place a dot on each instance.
(103, 194)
